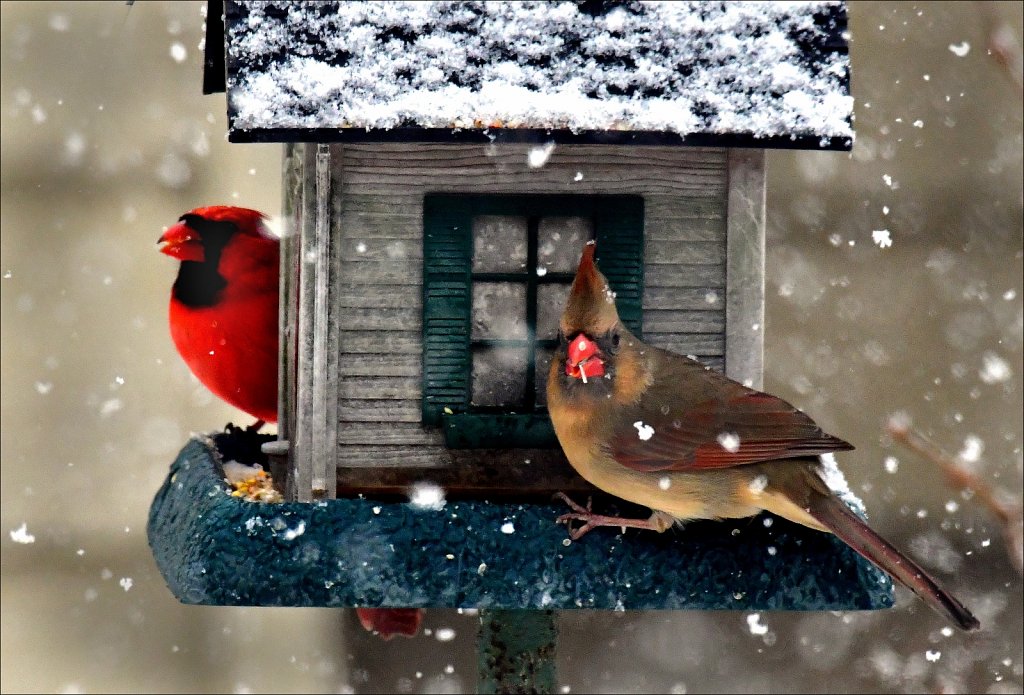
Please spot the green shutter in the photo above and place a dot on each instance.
(447, 300)
(619, 229)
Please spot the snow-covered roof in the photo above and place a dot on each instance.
(755, 73)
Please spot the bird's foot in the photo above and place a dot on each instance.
(658, 521)
(256, 426)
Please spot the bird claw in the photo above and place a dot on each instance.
(578, 513)
(577, 533)
(572, 505)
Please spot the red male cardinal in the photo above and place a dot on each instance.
(224, 323)
(664, 431)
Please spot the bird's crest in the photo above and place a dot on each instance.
(591, 305)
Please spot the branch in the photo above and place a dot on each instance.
(1011, 518)
(1003, 45)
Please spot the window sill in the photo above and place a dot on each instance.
(498, 431)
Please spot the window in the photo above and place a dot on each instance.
(497, 271)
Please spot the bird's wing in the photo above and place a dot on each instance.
(693, 418)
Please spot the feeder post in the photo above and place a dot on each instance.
(516, 651)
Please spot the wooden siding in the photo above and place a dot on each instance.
(378, 228)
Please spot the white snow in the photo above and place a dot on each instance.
(758, 484)
(444, 634)
(178, 52)
(882, 238)
(660, 66)
(21, 534)
(754, 623)
(836, 482)
(427, 496)
(293, 533)
(960, 49)
(994, 369)
(730, 441)
(126, 583)
(972, 450)
(891, 463)
(538, 156)
(60, 22)
(643, 431)
(508, 527)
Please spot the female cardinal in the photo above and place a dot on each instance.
(664, 431)
(224, 323)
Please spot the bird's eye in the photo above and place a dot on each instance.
(616, 339)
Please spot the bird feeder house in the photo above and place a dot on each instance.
(444, 164)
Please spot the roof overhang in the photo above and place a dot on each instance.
(739, 74)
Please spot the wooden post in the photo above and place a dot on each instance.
(744, 294)
(316, 422)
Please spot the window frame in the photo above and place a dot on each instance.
(617, 223)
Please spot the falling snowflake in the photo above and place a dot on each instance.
(730, 441)
(427, 496)
(178, 52)
(882, 238)
(754, 623)
(538, 156)
(293, 533)
(973, 448)
(758, 484)
(994, 369)
(960, 49)
(643, 431)
(21, 534)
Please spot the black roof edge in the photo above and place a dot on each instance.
(537, 136)
(214, 71)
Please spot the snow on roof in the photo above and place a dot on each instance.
(758, 69)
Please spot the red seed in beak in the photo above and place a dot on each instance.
(583, 361)
(581, 349)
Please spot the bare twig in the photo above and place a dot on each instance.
(1011, 518)
(1003, 44)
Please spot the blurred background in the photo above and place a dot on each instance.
(107, 139)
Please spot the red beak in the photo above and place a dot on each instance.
(583, 361)
(181, 242)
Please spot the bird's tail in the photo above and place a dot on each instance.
(831, 512)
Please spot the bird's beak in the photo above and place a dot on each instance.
(583, 360)
(181, 242)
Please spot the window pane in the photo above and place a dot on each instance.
(544, 356)
(560, 241)
(551, 300)
(499, 376)
(499, 311)
(499, 244)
